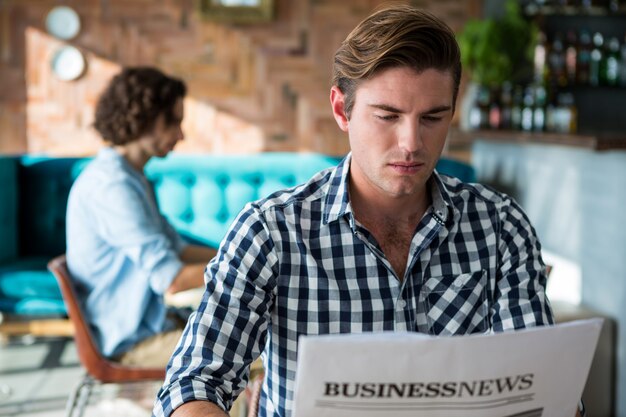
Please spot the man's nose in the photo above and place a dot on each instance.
(410, 137)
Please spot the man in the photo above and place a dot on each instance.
(381, 242)
(121, 252)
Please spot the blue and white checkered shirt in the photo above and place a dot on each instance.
(299, 263)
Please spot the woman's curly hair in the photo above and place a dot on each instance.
(132, 102)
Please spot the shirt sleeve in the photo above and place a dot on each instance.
(520, 298)
(177, 241)
(228, 331)
(128, 221)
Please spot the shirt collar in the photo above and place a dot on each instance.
(442, 205)
(337, 203)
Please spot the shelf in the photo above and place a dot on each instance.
(533, 11)
(600, 142)
(600, 89)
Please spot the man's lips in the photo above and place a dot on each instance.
(406, 164)
(406, 167)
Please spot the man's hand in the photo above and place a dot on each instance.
(199, 409)
(190, 276)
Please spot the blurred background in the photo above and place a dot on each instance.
(541, 116)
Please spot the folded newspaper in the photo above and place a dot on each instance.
(526, 373)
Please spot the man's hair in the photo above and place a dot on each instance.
(134, 99)
(396, 36)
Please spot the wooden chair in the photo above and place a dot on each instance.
(253, 392)
(99, 370)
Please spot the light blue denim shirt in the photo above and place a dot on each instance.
(121, 252)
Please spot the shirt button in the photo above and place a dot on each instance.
(401, 304)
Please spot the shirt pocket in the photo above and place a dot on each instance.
(457, 305)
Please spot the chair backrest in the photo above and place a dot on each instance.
(99, 367)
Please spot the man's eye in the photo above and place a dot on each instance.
(432, 118)
(387, 117)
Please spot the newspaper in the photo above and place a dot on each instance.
(526, 373)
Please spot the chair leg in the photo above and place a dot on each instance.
(85, 393)
(71, 401)
(79, 398)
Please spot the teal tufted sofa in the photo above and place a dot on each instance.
(33, 196)
(202, 195)
(199, 194)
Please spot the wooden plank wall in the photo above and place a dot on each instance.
(253, 88)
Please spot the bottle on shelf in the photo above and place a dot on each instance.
(539, 109)
(596, 58)
(495, 110)
(556, 61)
(622, 67)
(566, 117)
(479, 112)
(609, 68)
(539, 58)
(506, 105)
(571, 57)
(528, 110)
(551, 110)
(583, 58)
(517, 107)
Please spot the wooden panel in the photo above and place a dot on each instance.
(272, 78)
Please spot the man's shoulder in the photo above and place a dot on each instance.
(475, 198)
(460, 192)
(305, 194)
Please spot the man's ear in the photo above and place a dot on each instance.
(337, 102)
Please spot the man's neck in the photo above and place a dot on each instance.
(392, 222)
(405, 211)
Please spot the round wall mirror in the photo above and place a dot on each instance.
(63, 22)
(68, 63)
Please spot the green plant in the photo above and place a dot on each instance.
(495, 50)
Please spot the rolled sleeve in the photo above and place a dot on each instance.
(227, 332)
(130, 223)
(182, 391)
(520, 298)
(163, 272)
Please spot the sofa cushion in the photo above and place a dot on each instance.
(33, 306)
(8, 208)
(202, 195)
(27, 288)
(28, 277)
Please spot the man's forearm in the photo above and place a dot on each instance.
(199, 409)
(197, 254)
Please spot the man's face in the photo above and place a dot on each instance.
(397, 130)
(165, 136)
